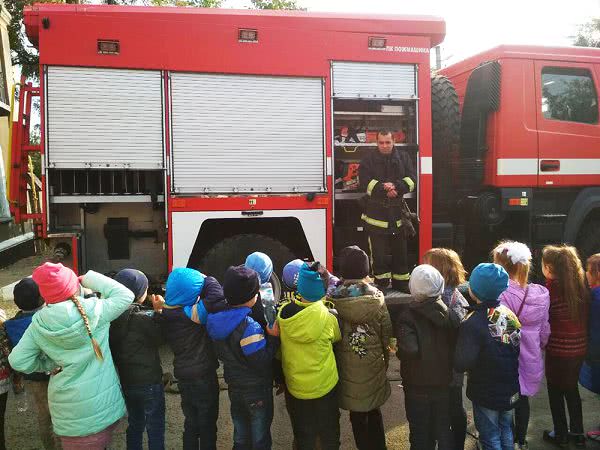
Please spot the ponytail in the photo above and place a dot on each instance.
(86, 322)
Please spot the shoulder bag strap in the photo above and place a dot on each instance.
(523, 302)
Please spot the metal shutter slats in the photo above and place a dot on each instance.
(247, 133)
(104, 117)
(373, 80)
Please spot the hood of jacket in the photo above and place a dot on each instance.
(308, 324)
(433, 309)
(537, 301)
(220, 325)
(60, 323)
(360, 308)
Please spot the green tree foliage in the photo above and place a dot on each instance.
(276, 4)
(589, 34)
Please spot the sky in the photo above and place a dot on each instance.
(473, 26)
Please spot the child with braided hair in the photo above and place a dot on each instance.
(69, 340)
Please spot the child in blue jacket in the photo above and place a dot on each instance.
(247, 354)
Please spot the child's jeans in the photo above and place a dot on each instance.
(428, 414)
(38, 395)
(315, 418)
(200, 405)
(146, 411)
(251, 414)
(495, 428)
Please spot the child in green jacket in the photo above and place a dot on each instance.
(308, 331)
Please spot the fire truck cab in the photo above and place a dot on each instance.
(527, 166)
(192, 137)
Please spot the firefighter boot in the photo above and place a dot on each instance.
(400, 285)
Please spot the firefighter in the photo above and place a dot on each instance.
(386, 174)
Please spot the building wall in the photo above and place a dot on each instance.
(8, 73)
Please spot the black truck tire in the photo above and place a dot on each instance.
(445, 135)
(232, 251)
(588, 241)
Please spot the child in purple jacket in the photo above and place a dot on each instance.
(530, 302)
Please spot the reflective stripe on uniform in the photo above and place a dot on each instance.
(398, 223)
(383, 276)
(371, 186)
(401, 277)
(374, 222)
(410, 183)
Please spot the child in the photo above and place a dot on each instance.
(363, 352)
(530, 302)
(247, 356)
(425, 349)
(590, 371)
(567, 345)
(488, 350)
(308, 332)
(194, 361)
(290, 275)
(448, 263)
(27, 298)
(263, 266)
(69, 338)
(5, 377)
(134, 340)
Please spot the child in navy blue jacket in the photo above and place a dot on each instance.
(247, 356)
(488, 349)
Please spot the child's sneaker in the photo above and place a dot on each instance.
(560, 441)
(593, 435)
(577, 439)
(523, 446)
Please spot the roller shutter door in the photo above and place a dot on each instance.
(240, 133)
(374, 80)
(104, 118)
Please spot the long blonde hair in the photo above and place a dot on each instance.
(86, 323)
(565, 266)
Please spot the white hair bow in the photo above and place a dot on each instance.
(516, 251)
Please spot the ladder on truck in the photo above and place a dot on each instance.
(26, 191)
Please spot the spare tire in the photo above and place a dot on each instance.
(445, 136)
(232, 251)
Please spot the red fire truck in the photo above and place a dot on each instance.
(191, 137)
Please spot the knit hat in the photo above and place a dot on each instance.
(27, 295)
(261, 264)
(184, 286)
(488, 281)
(134, 280)
(426, 282)
(240, 285)
(354, 263)
(310, 284)
(56, 282)
(291, 271)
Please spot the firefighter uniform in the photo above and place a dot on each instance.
(383, 215)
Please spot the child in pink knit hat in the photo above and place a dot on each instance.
(84, 393)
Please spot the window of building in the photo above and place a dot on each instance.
(569, 94)
(3, 85)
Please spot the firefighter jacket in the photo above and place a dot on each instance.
(381, 213)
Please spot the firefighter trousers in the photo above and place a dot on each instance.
(389, 259)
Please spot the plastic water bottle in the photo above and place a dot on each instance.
(267, 299)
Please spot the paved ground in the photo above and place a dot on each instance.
(21, 429)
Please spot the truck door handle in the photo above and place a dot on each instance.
(549, 165)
